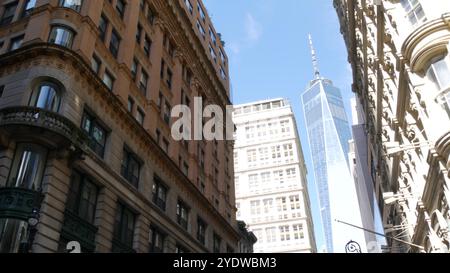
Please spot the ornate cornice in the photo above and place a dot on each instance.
(427, 41)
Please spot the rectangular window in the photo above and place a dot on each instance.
(189, 6)
(139, 33)
(28, 7)
(134, 68)
(165, 145)
(130, 168)
(96, 132)
(82, 197)
(201, 231)
(157, 240)
(285, 233)
(95, 64)
(108, 80)
(102, 27)
(120, 7)
(201, 12)
(147, 46)
(140, 116)
(298, 232)
(201, 29)
(159, 192)
(143, 82)
(16, 43)
(216, 243)
(114, 43)
(271, 234)
(123, 228)
(8, 13)
(151, 16)
(130, 105)
(213, 36)
(182, 214)
(169, 78)
(166, 113)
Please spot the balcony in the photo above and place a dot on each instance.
(49, 127)
(77, 229)
(18, 203)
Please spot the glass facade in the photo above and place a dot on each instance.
(329, 132)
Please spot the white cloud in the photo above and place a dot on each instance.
(253, 28)
(234, 47)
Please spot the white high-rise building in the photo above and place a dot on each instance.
(270, 176)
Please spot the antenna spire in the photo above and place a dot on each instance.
(314, 58)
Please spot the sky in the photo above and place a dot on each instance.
(269, 57)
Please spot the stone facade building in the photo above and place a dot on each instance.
(270, 178)
(86, 153)
(398, 50)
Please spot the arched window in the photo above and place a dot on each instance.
(62, 36)
(46, 96)
(439, 73)
(71, 4)
(28, 167)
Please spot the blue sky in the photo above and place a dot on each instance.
(268, 50)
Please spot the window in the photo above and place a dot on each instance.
(95, 64)
(271, 234)
(169, 78)
(159, 192)
(71, 4)
(165, 145)
(223, 74)
(139, 33)
(102, 27)
(82, 197)
(298, 232)
(216, 243)
(201, 231)
(201, 12)
(130, 167)
(285, 233)
(28, 7)
(182, 214)
(27, 167)
(130, 105)
(438, 73)
(123, 228)
(414, 11)
(114, 43)
(16, 43)
(213, 36)
(151, 16)
(147, 46)
(62, 36)
(157, 239)
(46, 96)
(201, 29)
(97, 134)
(189, 6)
(108, 80)
(140, 116)
(120, 7)
(134, 68)
(161, 73)
(166, 113)
(143, 82)
(213, 53)
(8, 13)
(2, 89)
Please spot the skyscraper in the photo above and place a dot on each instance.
(270, 178)
(329, 133)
